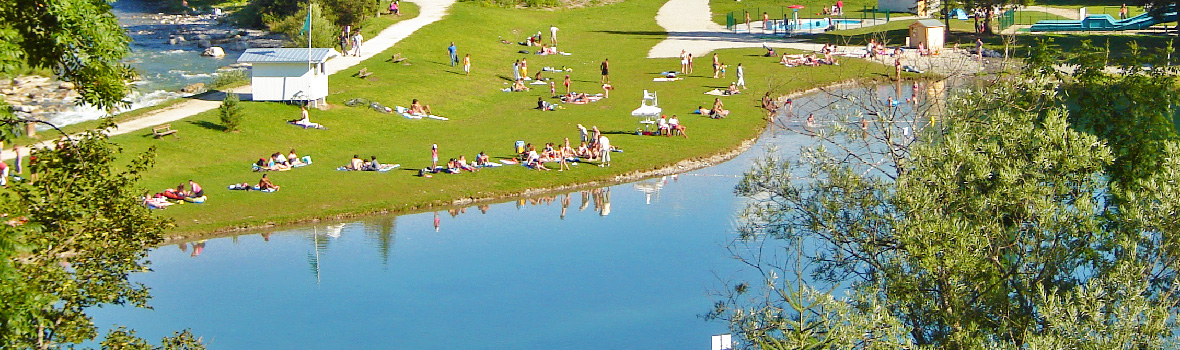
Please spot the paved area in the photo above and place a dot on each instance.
(430, 12)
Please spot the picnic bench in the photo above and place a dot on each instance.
(164, 130)
(364, 73)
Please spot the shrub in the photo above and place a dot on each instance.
(228, 77)
(231, 112)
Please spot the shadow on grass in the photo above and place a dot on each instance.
(207, 125)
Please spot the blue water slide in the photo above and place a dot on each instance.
(1108, 23)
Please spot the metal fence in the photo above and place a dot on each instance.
(782, 18)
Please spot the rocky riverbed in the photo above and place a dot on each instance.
(167, 51)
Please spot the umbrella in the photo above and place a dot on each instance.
(795, 12)
(795, 7)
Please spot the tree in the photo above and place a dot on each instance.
(999, 229)
(231, 112)
(71, 238)
(352, 12)
(323, 28)
(81, 41)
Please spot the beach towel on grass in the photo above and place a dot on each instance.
(716, 92)
(508, 161)
(380, 168)
(240, 187)
(666, 79)
(489, 165)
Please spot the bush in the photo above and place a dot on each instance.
(323, 27)
(231, 112)
(228, 77)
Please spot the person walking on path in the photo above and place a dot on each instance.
(605, 70)
(454, 58)
(19, 159)
(765, 21)
(748, 27)
(741, 76)
(553, 34)
(356, 42)
(716, 65)
(467, 65)
(344, 38)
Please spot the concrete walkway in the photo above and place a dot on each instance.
(430, 12)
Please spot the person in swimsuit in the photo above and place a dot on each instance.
(605, 70)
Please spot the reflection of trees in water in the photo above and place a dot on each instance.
(383, 232)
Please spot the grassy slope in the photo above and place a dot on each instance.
(482, 119)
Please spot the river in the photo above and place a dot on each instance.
(164, 68)
(626, 266)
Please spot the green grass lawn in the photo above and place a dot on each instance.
(482, 119)
(776, 9)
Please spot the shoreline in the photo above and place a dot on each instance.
(679, 167)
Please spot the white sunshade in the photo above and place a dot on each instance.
(647, 111)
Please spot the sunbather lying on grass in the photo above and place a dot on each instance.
(418, 108)
(518, 86)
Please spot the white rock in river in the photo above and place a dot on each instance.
(214, 52)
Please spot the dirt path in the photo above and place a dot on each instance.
(430, 11)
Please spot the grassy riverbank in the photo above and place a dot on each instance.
(482, 119)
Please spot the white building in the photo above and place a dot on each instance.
(288, 74)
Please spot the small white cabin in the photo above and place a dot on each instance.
(288, 74)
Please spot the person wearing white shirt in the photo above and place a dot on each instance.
(604, 149)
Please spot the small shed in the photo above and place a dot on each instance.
(928, 32)
(288, 74)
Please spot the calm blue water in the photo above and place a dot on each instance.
(628, 266)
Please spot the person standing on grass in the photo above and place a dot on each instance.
(567, 84)
(604, 150)
(19, 159)
(716, 65)
(741, 76)
(452, 49)
(434, 157)
(524, 68)
(1123, 12)
(690, 63)
(683, 62)
(553, 34)
(467, 64)
(605, 70)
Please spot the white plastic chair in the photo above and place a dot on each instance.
(649, 96)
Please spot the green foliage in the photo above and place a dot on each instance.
(1005, 227)
(231, 112)
(81, 41)
(323, 27)
(122, 338)
(71, 238)
(353, 12)
(229, 77)
(518, 3)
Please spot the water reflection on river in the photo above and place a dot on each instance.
(626, 266)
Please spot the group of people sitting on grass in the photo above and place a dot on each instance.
(160, 200)
(669, 126)
(360, 164)
(264, 185)
(717, 112)
(807, 60)
(519, 86)
(551, 153)
(279, 162)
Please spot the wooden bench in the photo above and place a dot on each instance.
(164, 130)
(364, 73)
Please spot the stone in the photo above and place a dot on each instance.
(65, 85)
(203, 43)
(193, 88)
(213, 52)
(24, 108)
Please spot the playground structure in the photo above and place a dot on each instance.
(1106, 22)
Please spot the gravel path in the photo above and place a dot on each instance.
(430, 11)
